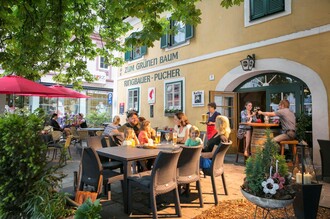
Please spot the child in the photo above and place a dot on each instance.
(145, 132)
(130, 138)
(194, 139)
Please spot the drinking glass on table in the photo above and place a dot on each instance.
(157, 139)
(175, 138)
(167, 137)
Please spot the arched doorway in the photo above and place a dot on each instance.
(234, 78)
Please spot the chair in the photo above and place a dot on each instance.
(83, 135)
(67, 147)
(98, 133)
(161, 180)
(95, 143)
(104, 142)
(217, 168)
(294, 148)
(325, 154)
(188, 169)
(114, 141)
(51, 144)
(92, 173)
(240, 149)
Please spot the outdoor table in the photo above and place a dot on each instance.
(259, 137)
(92, 131)
(127, 155)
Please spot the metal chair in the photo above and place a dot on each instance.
(217, 168)
(92, 173)
(161, 180)
(188, 169)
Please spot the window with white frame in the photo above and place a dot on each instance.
(133, 99)
(259, 11)
(182, 33)
(103, 65)
(174, 96)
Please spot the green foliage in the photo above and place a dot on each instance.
(258, 166)
(304, 123)
(44, 202)
(97, 119)
(89, 210)
(37, 37)
(23, 165)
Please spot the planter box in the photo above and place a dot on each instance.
(169, 114)
(307, 200)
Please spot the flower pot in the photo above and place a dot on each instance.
(266, 202)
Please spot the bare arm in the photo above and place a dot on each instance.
(266, 113)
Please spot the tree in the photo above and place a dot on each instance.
(37, 37)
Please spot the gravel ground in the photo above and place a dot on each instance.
(239, 209)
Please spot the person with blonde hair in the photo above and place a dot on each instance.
(112, 126)
(194, 139)
(222, 135)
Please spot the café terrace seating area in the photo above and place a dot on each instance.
(136, 203)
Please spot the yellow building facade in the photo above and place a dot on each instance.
(202, 64)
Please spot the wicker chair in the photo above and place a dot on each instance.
(217, 168)
(161, 180)
(92, 173)
(95, 143)
(325, 154)
(188, 169)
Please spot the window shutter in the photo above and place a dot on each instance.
(128, 56)
(163, 41)
(189, 31)
(143, 50)
(257, 9)
(275, 6)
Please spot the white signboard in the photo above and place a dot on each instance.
(198, 98)
(151, 95)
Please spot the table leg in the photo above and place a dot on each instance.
(127, 172)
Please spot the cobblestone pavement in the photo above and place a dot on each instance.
(234, 175)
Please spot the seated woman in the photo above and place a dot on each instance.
(81, 122)
(223, 130)
(181, 127)
(56, 126)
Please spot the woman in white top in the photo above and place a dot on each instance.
(181, 127)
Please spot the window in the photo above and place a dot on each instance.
(183, 32)
(262, 8)
(102, 63)
(135, 52)
(133, 99)
(173, 96)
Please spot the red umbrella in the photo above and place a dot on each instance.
(18, 85)
(69, 93)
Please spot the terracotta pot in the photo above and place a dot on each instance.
(266, 202)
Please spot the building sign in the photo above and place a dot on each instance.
(156, 77)
(152, 62)
(99, 77)
(151, 95)
(121, 108)
(198, 98)
(110, 98)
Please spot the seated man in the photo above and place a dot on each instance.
(287, 119)
(132, 122)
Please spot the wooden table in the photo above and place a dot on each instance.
(92, 131)
(127, 155)
(259, 137)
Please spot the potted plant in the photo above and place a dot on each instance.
(89, 210)
(268, 181)
(171, 112)
(95, 119)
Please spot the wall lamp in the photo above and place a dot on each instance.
(248, 63)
